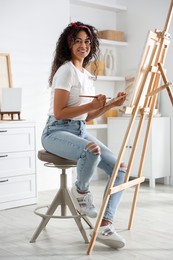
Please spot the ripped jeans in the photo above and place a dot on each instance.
(68, 139)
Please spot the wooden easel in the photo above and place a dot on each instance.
(143, 103)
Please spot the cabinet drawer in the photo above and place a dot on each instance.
(15, 164)
(16, 139)
(17, 188)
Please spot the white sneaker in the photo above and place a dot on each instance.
(108, 236)
(83, 203)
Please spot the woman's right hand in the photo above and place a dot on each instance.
(99, 101)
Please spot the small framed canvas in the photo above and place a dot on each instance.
(5, 71)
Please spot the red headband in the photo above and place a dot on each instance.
(81, 26)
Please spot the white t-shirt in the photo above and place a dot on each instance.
(78, 83)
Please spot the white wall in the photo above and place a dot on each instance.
(29, 30)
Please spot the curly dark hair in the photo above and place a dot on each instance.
(62, 52)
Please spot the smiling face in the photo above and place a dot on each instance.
(81, 46)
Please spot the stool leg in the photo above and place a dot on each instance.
(45, 219)
(85, 218)
(70, 204)
(67, 200)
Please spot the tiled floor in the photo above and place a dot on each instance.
(151, 236)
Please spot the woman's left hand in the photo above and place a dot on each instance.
(117, 101)
(120, 98)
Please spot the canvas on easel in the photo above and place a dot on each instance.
(143, 103)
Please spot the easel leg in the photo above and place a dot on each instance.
(133, 206)
(98, 223)
(153, 104)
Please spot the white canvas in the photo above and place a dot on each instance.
(11, 100)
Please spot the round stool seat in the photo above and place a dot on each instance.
(56, 160)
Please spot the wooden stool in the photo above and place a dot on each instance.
(62, 198)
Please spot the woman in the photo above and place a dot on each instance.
(65, 132)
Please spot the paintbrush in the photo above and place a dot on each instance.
(93, 96)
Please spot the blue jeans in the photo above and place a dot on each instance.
(68, 139)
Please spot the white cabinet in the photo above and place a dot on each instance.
(157, 161)
(17, 164)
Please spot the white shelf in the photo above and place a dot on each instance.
(97, 126)
(110, 78)
(101, 5)
(112, 43)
